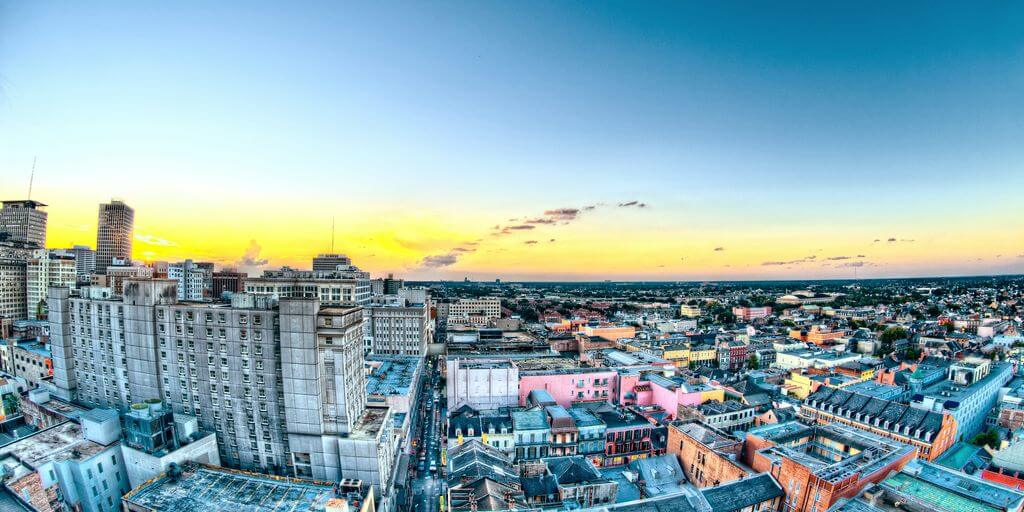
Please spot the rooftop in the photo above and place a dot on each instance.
(58, 443)
(213, 489)
(742, 493)
(392, 375)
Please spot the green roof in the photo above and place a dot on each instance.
(934, 495)
(958, 456)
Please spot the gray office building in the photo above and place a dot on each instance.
(23, 221)
(281, 382)
(114, 232)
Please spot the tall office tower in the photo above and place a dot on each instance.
(195, 280)
(114, 233)
(229, 280)
(48, 267)
(281, 383)
(13, 305)
(85, 260)
(329, 262)
(23, 221)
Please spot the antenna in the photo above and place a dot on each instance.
(32, 177)
(332, 234)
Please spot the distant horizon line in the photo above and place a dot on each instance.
(612, 281)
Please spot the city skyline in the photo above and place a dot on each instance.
(560, 142)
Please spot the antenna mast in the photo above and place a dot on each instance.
(32, 177)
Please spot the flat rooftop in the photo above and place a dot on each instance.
(368, 426)
(57, 443)
(212, 489)
(394, 375)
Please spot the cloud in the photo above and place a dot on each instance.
(252, 258)
(464, 249)
(552, 240)
(719, 249)
(530, 242)
(861, 256)
(838, 258)
(153, 240)
(876, 241)
(563, 213)
(541, 220)
(891, 240)
(439, 260)
(774, 263)
(852, 264)
(631, 204)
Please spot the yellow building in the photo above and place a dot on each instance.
(704, 355)
(678, 354)
(712, 395)
(799, 385)
(688, 311)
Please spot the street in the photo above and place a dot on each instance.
(426, 469)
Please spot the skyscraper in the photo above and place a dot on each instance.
(114, 234)
(23, 221)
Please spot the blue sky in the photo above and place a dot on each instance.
(802, 119)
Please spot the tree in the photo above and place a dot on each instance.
(990, 438)
(753, 363)
(892, 334)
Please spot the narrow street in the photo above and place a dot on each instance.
(426, 462)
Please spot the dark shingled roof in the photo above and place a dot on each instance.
(742, 493)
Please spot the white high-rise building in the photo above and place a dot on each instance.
(194, 281)
(397, 326)
(48, 267)
(345, 285)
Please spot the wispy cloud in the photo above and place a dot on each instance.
(631, 204)
(153, 240)
(530, 242)
(719, 249)
(439, 261)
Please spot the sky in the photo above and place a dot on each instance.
(529, 140)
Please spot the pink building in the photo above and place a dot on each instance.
(746, 314)
(568, 387)
(652, 389)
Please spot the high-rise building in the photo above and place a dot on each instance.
(392, 285)
(13, 281)
(329, 262)
(114, 233)
(281, 383)
(195, 280)
(85, 260)
(23, 221)
(48, 267)
(228, 280)
(398, 327)
(345, 285)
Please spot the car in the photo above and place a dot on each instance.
(433, 467)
